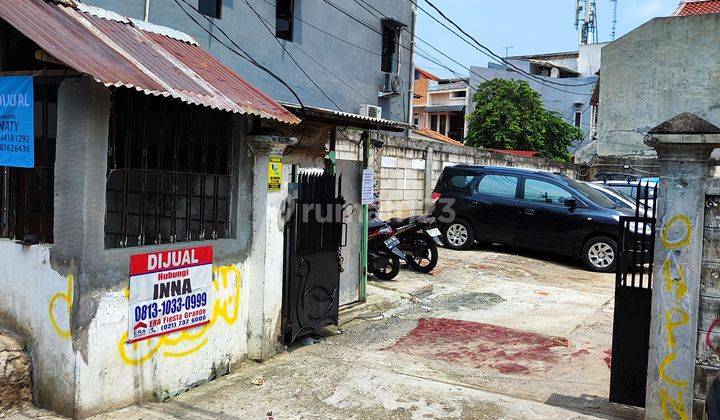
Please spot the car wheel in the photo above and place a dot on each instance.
(600, 254)
(459, 235)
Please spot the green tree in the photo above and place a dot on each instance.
(509, 114)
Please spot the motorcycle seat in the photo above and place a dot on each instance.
(375, 224)
(398, 222)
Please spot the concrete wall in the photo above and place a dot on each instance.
(36, 303)
(660, 69)
(590, 59)
(560, 99)
(354, 66)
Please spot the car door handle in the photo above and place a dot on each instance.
(473, 203)
(529, 212)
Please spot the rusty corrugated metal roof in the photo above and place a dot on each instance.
(119, 51)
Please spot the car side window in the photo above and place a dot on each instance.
(460, 181)
(544, 192)
(497, 186)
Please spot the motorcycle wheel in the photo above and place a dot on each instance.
(390, 269)
(422, 253)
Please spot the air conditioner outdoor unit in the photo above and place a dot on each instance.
(372, 111)
(391, 83)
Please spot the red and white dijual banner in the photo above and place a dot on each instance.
(170, 291)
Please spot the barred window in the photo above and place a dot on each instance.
(169, 173)
(26, 194)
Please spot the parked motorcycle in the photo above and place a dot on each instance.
(419, 241)
(384, 256)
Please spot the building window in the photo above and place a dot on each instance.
(284, 19)
(443, 124)
(169, 173)
(578, 118)
(433, 122)
(210, 8)
(390, 44)
(461, 94)
(26, 194)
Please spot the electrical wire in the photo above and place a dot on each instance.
(485, 50)
(291, 56)
(266, 23)
(240, 52)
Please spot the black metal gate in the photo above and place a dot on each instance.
(313, 233)
(633, 296)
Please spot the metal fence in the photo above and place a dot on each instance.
(633, 297)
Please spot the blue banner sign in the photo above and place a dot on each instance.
(17, 122)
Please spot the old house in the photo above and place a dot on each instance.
(164, 149)
(442, 107)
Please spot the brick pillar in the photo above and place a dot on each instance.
(683, 145)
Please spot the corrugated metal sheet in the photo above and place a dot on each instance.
(155, 60)
(346, 117)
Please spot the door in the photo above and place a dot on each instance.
(545, 220)
(351, 172)
(494, 207)
(312, 263)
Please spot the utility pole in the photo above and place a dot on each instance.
(508, 48)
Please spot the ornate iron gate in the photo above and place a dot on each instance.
(633, 296)
(313, 233)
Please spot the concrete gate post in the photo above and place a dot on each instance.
(683, 145)
(265, 273)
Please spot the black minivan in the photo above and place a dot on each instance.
(527, 208)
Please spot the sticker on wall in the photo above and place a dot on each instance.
(274, 173)
(169, 292)
(17, 122)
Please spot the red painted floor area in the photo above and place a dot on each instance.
(482, 345)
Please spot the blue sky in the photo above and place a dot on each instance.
(530, 26)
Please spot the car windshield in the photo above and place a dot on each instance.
(593, 195)
(617, 197)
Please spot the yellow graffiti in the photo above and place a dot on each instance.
(685, 240)
(675, 317)
(672, 405)
(226, 306)
(67, 298)
(678, 281)
(671, 325)
(667, 378)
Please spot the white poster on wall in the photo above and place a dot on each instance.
(170, 291)
(368, 187)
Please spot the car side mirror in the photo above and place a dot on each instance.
(570, 202)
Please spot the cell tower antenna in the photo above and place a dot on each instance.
(614, 21)
(586, 21)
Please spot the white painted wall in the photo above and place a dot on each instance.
(35, 302)
(116, 374)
